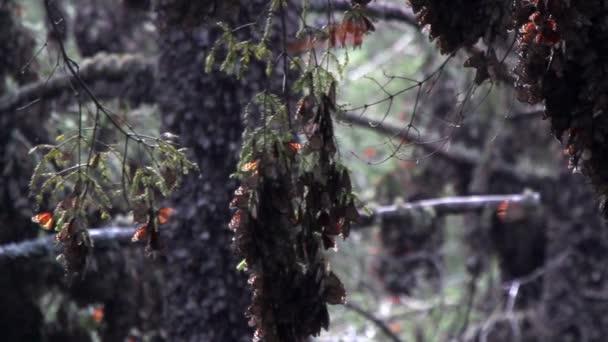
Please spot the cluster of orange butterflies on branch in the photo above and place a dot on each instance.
(349, 31)
(45, 220)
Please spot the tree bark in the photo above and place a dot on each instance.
(20, 318)
(205, 296)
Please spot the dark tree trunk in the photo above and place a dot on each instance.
(575, 296)
(20, 318)
(206, 297)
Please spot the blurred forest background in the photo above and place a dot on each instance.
(528, 266)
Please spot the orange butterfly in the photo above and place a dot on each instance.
(295, 146)
(45, 220)
(140, 234)
(501, 211)
(251, 166)
(163, 214)
(97, 314)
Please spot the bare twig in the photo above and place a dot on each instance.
(372, 318)
(456, 153)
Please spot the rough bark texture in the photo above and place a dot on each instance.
(112, 26)
(206, 297)
(19, 317)
(574, 304)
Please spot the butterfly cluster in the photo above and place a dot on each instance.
(294, 200)
(75, 192)
(561, 64)
(461, 23)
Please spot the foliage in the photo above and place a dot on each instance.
(82, 175)
(76, 189)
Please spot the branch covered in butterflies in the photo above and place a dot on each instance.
(111, 237)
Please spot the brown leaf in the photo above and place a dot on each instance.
(335, 293)
(140, 213)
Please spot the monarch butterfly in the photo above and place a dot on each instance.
(295, 146)
(163, 214)
(97, 314)
(45, 220)
(140, 234)
(252, 166)
(501, 211)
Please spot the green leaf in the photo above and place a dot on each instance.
(242, 266)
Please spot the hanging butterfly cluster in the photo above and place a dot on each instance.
(461, 23)
(353, 27)
(294, 200)
(561, 63)
(350, 31)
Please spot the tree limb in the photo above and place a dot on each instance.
(101, 67)
(105, 238)
(383, 10)
(449, 205)
(458, 154)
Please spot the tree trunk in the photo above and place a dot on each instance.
(575, 296)
(20, 318)
(206, 297)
